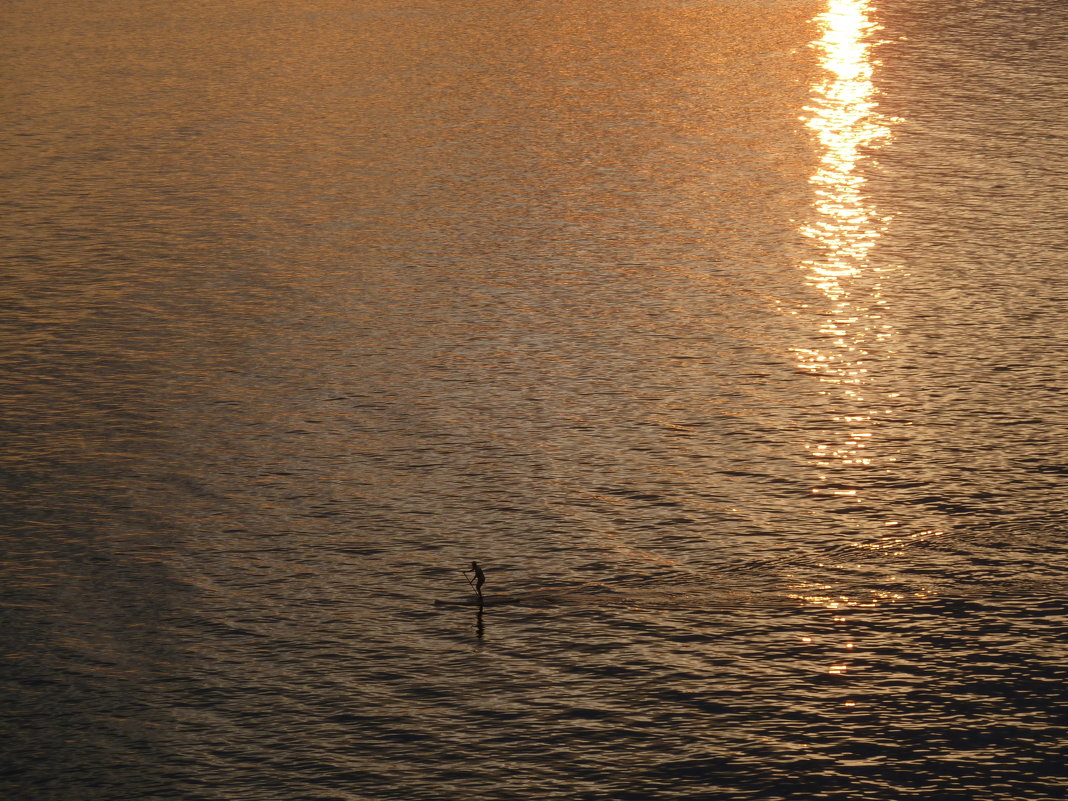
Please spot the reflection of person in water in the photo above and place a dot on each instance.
(480, 578)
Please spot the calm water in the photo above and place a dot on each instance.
(728, 335)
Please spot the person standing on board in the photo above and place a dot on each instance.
(480, 579)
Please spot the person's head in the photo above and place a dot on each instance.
(474, 565)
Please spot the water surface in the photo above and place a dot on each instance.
(727, 335)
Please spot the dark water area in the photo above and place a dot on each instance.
(727, 335)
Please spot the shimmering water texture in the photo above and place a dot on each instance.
(726, 335)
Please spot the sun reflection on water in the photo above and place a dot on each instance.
(845, 120)
(844, 117)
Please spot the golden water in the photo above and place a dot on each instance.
(728, 336)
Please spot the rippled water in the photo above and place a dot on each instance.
(727, 335)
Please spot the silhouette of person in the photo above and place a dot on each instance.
(480, 578)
